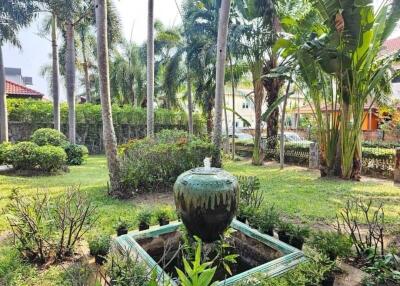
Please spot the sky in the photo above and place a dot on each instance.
(36, 51)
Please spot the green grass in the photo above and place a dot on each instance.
(298, 193)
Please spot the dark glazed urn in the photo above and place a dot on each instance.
(206, 199)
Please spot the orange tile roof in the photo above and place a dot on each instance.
(391, 46)
(14, 89)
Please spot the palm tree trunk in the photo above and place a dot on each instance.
(150, 69)
(70, 78)
(258, 100)
(233, 108)
(109, 138)
(220, 76)
(86, 70)
(3, 102)
(55, 75)
(190, 103)
(226, 143)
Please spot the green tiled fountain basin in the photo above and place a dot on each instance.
(281, 257)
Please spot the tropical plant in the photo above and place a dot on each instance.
(332, 244)
(251, 27)
(14, 15)
(197, 273)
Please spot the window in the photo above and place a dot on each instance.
(245, 104)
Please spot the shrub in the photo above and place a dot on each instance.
(149, 164)
(29, 156)
(144, 217)
(332, 244)
(48, 136)
(76, 154)
(5, 153)
(50, 158)
(24, 156)
(100, 245)
(268, 219)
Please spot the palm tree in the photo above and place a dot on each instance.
(14, 15)
(150, 69)
(220, 76)
(252, 29)
(55, 90)
(109, 138)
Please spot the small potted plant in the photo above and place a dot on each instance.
(162, 217)
(144, 218)
(268, 219)
(99, 248)
(297, 236)
(121, 227)
(284, 231)
(331, 243)
(246, 214)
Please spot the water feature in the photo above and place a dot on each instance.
(206, 200)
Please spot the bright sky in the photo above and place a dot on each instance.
(36, 50)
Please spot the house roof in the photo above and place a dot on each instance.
(14, 89)
(391, 46)
(307, 109)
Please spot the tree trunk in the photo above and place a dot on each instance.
(109, 138)
(150, 69)
(3, 102)
(282, 139)
(209, 120)
(70, 78)
(226, 143)
(190, 103)
(272, 86)
(220, 76)
(258, 100)
(233, 108)
(86, 70)
(55, 75)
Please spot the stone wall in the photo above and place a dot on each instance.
(90, 135)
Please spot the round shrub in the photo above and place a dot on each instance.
(48, 136)
(76, 154)
(23, 156)
(5, 153)
(50, 158)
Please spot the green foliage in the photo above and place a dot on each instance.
(378, 153)
(126, 269)
(162, 214)
(31, 157)
(332, 244)
(100, 245)
(121, 224)
(76, 154)
(144, 216)
(4, 152)
(384, 270)
(34, 111)
(152, 165)
(250, 194)
(48, 136)
(197, 274)
(268, 219)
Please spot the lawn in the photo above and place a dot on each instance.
(297, 192)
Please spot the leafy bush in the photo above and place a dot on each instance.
(100, 245)
(268, 219)
(48, 136)
(76, 154)
(4, 153)
(29, 156)
(149, 165)
(144, 217)
(384, 270)
(50, 158)
(332, 244)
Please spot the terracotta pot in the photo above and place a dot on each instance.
(206, 200)
(122, 231)
(143, 226)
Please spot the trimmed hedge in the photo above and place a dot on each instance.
(29, 156)
(4, 153)
(378, 144)
(76, 154)
(154, 164)
(34, 111)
